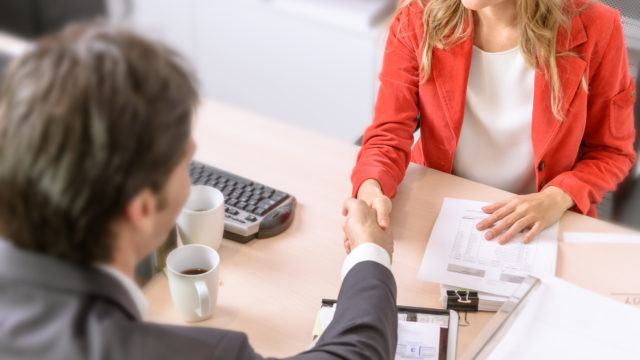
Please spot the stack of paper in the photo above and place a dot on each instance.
(559, 320)
(459, 256)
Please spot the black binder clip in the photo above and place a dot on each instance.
(462, 300)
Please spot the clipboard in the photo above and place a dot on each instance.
(446, 319)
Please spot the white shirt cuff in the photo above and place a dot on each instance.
(366, 252)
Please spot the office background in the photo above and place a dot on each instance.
(310, 63)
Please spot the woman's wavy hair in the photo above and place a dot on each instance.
(445, 24)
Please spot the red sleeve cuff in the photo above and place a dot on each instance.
(575, 189)
(388, 183)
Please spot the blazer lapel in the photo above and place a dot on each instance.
(571, 69)
(450, 71)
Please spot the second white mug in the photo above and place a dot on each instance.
(201, 221)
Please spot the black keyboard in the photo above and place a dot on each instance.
(251, 209)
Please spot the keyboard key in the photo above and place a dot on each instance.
(231, 211)
(239, 220)
(267, 203)
(250, 208)
(232, 202)
(278, 195)
(251, 218)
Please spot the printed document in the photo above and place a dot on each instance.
(418, 341)
(458, 255)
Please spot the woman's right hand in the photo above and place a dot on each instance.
(371, 193)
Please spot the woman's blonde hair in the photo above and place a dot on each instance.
(538, 20)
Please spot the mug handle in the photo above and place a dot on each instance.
(204, 300)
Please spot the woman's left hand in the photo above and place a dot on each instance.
(535, 212)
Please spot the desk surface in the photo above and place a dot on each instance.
(271, 289)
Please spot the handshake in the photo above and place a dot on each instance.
(361, 226)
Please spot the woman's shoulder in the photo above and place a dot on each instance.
(407, 23)
(597, 18)
(411, 10)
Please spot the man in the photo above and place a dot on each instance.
(95, 145)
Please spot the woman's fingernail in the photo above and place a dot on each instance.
(488, 235)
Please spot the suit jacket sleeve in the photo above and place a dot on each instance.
(365, 324)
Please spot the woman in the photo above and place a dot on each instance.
(531, 96)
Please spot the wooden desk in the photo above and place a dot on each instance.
(271, 289)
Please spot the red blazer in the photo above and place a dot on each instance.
(586, 154)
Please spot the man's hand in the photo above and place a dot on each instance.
(371, 193)
(361, 226)
(535, 212)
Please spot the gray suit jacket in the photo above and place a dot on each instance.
(51, 309)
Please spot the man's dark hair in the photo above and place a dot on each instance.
(88, 118)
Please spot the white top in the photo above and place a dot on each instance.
(495, 142)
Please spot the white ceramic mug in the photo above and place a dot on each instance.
(201, 221)
(196, 295)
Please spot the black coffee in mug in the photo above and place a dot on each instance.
(194, 271)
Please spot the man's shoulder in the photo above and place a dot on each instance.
(38, 322)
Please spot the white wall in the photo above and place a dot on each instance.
(294, 68)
